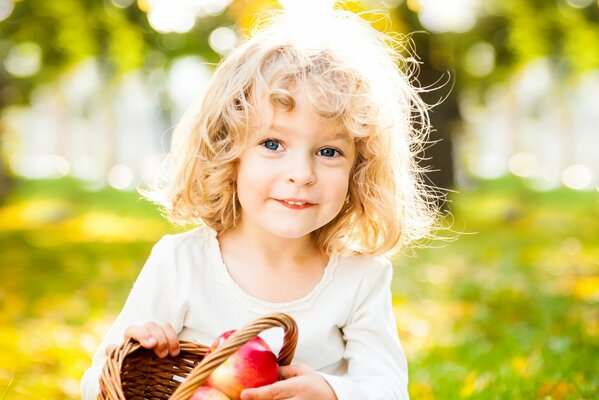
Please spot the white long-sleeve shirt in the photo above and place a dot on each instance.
(347, 330)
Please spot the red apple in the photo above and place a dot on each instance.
(208, 393)
(253, 365)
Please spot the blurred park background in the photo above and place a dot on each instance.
(90, 90)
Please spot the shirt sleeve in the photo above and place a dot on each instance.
(155, 296)
(377, 367)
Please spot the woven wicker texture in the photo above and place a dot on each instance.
(132, 372)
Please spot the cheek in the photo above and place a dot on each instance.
(337, 186)
(244, 182)
(246, 171)
(252, 178)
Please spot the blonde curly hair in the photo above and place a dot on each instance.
(352, 74)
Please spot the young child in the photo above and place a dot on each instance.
(298, 169)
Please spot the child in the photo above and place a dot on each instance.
(299, 170)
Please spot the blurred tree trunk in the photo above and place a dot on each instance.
(444, 117)
(438, 154)
(437, 75)
(6, 180)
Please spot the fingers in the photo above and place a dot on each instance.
(173, 340)
(303, 383)
(142, 335)
(109, 349)
(166, 338)
(277, 391)
(289, 371)
(160, 337)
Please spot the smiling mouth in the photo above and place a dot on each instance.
(295, 205)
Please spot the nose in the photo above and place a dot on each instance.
(301, 171)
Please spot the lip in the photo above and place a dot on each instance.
(304, 203)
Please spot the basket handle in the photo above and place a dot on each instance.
(202, 371)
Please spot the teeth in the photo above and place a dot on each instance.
(295, 203)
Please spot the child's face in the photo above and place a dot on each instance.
(294, 178)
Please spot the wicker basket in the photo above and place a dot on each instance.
(132, 372)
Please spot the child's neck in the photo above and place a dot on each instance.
(268, 250)
(272, 269)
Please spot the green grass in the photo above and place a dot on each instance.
(511, 306)
(507, 310)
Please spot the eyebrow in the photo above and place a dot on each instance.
(339, 135)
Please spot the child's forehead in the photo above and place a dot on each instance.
(327, 131)
(272, 117)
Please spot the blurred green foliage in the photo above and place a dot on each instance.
(121, 40)
(507, 310)
(70, 31)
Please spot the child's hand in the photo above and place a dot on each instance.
(300, 383)
(160, 337)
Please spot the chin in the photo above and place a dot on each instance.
(291, 230)
(291, 234)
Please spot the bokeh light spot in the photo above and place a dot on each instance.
(480, 59)
(419, 327)
(166, 17)
(120, 177)
(6, 7)
(580, 3)
(24, 60)
(215, 7)
(179, 15)
(122, 3)
(144, 5)
(187, 79)
(489, 166)
(571, 246)
(448, 16)
(523, 164)
(222, 39)
(577, 177)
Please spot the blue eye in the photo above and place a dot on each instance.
(271, 144)
(328, 152)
